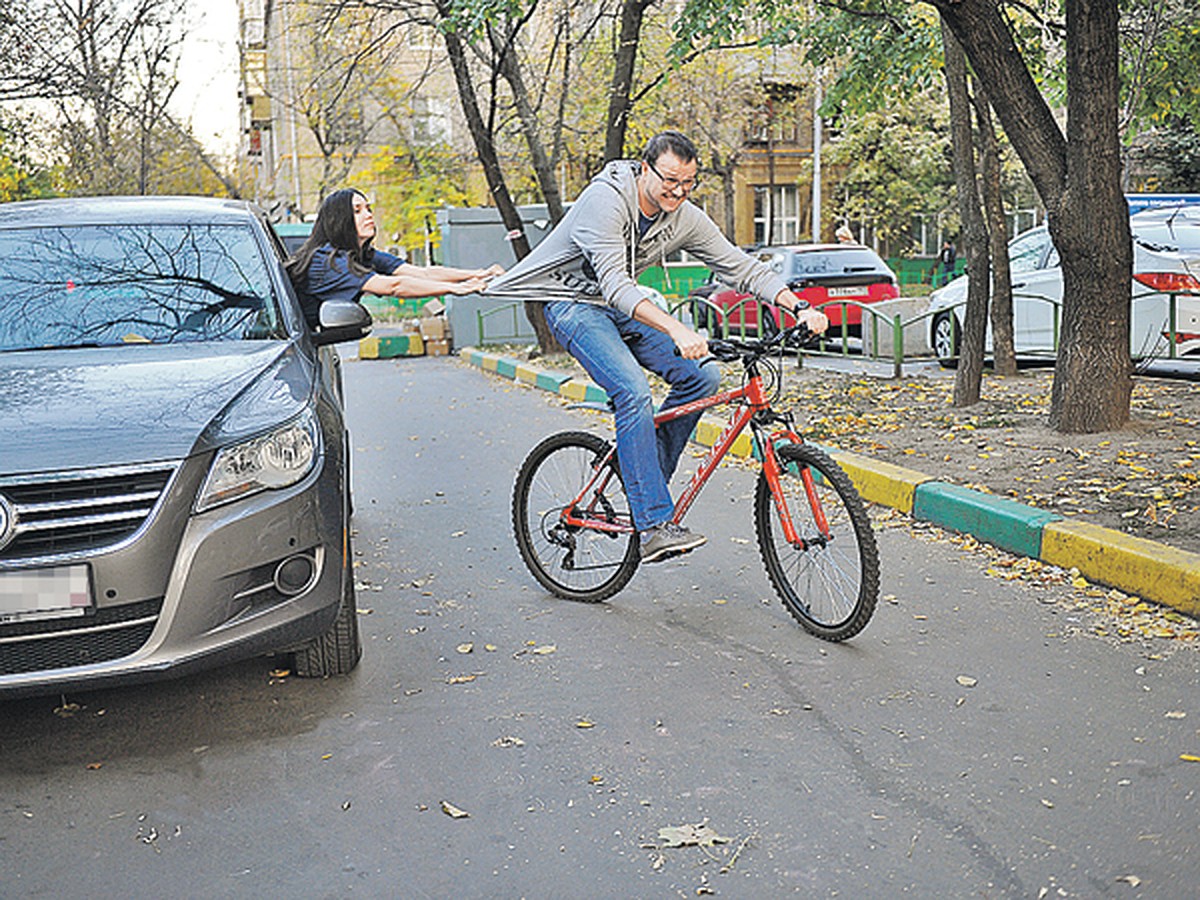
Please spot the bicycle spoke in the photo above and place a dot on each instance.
(829, 584)
(572, 561)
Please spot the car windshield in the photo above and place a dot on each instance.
(104, 285)
(834, 262)
(1176, 229)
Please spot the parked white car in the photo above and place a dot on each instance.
(1166, 261)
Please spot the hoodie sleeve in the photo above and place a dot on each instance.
(732, 265)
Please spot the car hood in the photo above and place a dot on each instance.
(83, 408)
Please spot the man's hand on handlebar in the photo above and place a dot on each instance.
(690, 344)
(815, 320)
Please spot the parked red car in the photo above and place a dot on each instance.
(822, 274)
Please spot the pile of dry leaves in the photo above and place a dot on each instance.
(1143, 480)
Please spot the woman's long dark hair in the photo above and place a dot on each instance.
(335, 227)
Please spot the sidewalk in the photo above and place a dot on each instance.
(1133, 565)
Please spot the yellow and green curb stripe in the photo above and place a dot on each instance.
(1134, 565)
(389, 346)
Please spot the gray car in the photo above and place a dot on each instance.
(174, 483)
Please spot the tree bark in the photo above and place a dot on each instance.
(1093, 376)
(1078, 179)
(1003, 355)
(974, 232)
(489, 159)
(543, 165)
(632, 12)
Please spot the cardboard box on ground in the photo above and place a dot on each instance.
(435, 329)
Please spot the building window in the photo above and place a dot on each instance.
(430, 121)
(784, 212)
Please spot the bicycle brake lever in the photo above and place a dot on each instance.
(799, 335)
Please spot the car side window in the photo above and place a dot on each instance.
(1026, 252)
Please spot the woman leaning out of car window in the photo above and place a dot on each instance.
(337, 262)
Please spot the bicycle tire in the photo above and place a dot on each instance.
(829, 587)
(571, 563)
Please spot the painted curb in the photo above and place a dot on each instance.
(708, 431)
(1134, 565)
(881, 482)
(1005, 523)
(582, 391)
(389, 346)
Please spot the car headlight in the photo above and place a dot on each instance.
(275, 460)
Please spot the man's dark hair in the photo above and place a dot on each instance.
(679, 145)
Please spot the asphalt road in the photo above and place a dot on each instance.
(972, 742)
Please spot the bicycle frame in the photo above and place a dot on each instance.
(754, 409)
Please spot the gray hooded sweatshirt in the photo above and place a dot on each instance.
(594, 254)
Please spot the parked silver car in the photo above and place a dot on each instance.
(1166, 260)
(174, 487)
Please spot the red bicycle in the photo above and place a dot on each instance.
(575, 532)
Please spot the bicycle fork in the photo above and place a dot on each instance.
(772, 470)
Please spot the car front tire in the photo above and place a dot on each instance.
(338, 650)
(946, 339)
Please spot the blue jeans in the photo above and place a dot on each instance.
(614, 349)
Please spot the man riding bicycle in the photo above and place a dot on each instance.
(632, 216)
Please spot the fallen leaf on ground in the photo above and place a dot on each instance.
(453, 811)
(690, 836)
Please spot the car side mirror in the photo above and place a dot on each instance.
(342, 320)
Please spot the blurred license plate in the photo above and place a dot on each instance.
(45, 593)
(844, 292)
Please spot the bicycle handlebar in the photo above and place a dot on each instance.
(731, 350)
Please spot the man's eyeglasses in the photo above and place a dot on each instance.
(672, 185)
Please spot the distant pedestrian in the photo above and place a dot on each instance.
(844, 235)
(946, 259)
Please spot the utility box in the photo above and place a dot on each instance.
(474, 238)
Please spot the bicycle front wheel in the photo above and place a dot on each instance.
(569, 560)
(829, 581)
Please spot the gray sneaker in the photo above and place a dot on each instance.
(667, 540)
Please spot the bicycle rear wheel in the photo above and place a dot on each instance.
(830, 585)
(570, 561)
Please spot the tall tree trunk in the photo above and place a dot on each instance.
(1078, 179)
(543, 165)
(974, 234)
(632, 12)
(485, 149)
(1003, 353)
(1093, 376)
(724, 171)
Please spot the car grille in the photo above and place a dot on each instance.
(72, 513)
(107, 634)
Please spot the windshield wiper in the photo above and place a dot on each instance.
(85, 346)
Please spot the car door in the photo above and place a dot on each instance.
(1037, 291)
